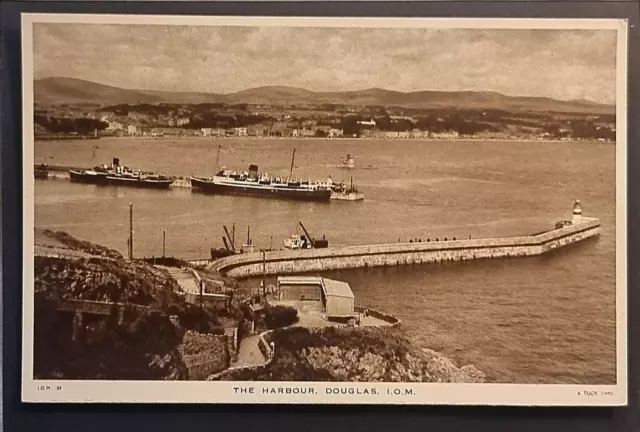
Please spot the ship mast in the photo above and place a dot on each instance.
(292, 159)
(218, 158)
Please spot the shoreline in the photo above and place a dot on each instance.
(256, 138)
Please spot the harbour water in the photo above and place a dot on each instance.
(548, 319)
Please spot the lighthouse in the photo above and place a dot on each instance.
(577, 213)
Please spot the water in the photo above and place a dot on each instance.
(544, 319)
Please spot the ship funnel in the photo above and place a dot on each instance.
(116, 162)
(253, 171)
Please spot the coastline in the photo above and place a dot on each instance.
(263, 138)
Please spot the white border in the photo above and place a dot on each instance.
(423, 393)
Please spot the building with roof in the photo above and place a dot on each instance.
(331, 297)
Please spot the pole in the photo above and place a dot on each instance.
(271, 245)
(293, 157)
(164, 244)
(248, 234)
(130, 231)
(264, 274)
(233, 233)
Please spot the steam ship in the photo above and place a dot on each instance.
(349, 162)
(261, 184)
(342, 192)
(121, 176)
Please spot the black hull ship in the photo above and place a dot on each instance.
(254, 183)
(292, 190)
(117, 175)
(41, 172)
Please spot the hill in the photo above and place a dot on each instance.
(71, 91)
(58, 91)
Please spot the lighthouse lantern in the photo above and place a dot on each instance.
(577, 213)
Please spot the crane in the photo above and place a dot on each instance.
(314, 243)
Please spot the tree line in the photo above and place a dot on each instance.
(82, 125)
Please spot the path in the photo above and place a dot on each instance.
(185, 279)
(249, 353)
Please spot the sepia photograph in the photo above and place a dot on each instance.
(324, 210)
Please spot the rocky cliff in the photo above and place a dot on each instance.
(355, 355)
(143, 345)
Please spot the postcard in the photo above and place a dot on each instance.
(313, 210)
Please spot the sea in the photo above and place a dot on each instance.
(547, 319)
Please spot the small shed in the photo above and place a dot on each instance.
(333, 297)
(299, 288)
(340, 300)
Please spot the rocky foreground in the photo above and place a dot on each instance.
(364, 354)
(153, 345)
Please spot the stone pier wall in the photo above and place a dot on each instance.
(290, 262)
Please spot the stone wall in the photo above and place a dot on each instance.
(392, 320)
(289, 262)
(204, 354)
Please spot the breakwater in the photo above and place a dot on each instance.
(359, 256)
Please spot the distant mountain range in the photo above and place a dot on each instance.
(72, 91)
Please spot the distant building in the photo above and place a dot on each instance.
(206, 132)
(218, 132)
(411, 119)
(446, 135)
(367, 133)
(333, 133)
(391, 134)
(332, 297)
(134, 115)
(306, 133)
(240, 131)
(114, 126)
(257, 131)
(131, 129)
(404, 134)
(367, 123)
(324, 129)
(165, 131)
(282, 129)
(182, 121)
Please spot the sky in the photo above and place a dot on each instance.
(562, 64)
